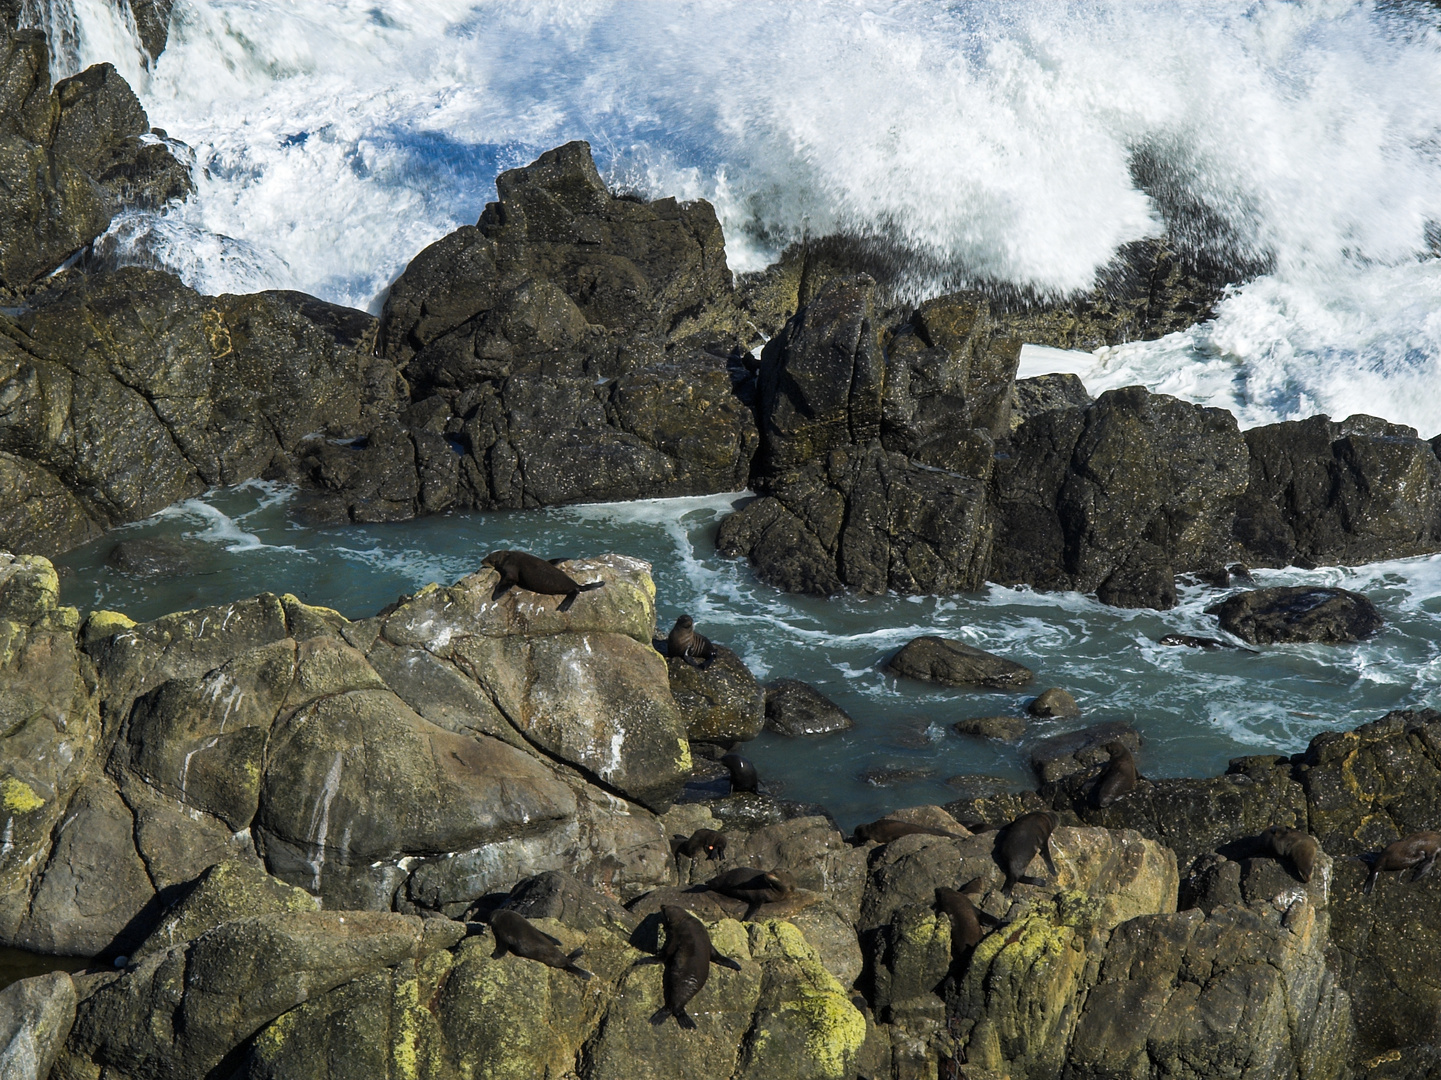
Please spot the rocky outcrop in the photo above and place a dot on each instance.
(954, 663)
(795, 708)
(35, 1017)
(71, 157)
(123, 393)
(1298, 613)
(720, 701)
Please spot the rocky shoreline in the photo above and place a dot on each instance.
(279, 833)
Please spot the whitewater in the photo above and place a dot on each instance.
(994, 144)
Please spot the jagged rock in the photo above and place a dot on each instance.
(954, 663)
(150, 558)
(1301, 613)
(563, 897)
(152, 23)
(179, 1013)
(1043, 393)
(35, 1018)
(70, 158)
(1054, 703)
(720, 702)
(1080, 751)
(795, 708)
(128, 391)
(1323, 492)
(1005, 728)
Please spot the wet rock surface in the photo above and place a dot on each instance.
(795, 708)
(954, 663)
(1298, 614)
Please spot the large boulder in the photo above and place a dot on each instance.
(126, 392)
(70, 158)
(719, 702)
(954, 663)
(1299, 613)
(35, 1019)
(796, 708)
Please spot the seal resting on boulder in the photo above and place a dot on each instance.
(513, 933)
(690, 645)
(534, 574)
(1419, 850)
(687, 955)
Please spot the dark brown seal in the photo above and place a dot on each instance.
(534, 574)
(1293, 844)
(689, 644)
(966, 931)
(1019, 843)
(884, 830)
(1117, 778)
(1419, 850)
(687, 955)
(513, 933)
(755, 887)
(743, 773)
(710, 841)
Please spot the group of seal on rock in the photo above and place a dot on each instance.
(534, 574)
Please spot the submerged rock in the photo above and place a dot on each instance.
(1005, 728)
(954, 663)
(1299, 613)
(1078, 751)
(1054, 702)
(795, 708)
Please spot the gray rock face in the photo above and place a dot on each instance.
(1006, 728)
(70, 158)
(954, 663)
(35, 1018)
(795, 708)
(1298, 614)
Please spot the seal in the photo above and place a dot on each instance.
(710, 841)
(1117, 778)
(755, 887)
(966, 932)
(687, 955)
(1191, 642)
(513, 933)
(1293, 844)
(534, 574)
(694, 648)
(743, 773)
(1019, 843)
(1419, 850)
(884, 830)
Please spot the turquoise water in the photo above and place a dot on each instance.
(1195, 710)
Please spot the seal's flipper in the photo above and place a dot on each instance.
(723, 961)
(576, 969)
(658, 1017)
(691, 660)
(1370, 881)
(564, 605)
(683, 1019)
(553, 940)
(1425, 868)
(499, 950)
(501, 588)
(751, 910)
(1046, 851)
(655, 959)
(591, 586)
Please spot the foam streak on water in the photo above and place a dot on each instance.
(992, 140)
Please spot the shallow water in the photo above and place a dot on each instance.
(1195, 709)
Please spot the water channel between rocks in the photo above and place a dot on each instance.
(1194, 709)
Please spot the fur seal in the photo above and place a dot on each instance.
(684, 641)
(885, 830)
(687, 955)
(966, 919)
(513, 933)
(534, 574)
(743, 773)
(1020, 842)
(1294, 844)
(710, 841)
(1117, 778)
(755, 887)
(1191, 642)
(1419, 850)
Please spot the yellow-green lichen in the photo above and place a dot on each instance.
(273, 1036)
(18, 796)
(102, 624)
(403, 1053)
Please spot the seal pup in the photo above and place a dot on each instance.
(743, 773)
(755, 887)
(1020, 842)
(1117, 778)
(1293, 844)
(513, 933)
(1419, 850)
(534, 574)
(885, 830)
(966, 919)
(710, 841)
(693, 647)
(687, 955)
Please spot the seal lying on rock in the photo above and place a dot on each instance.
(513, 933)
(743, 773)
(755, 887)
(1418, 850)
(691, 646)
(885, 830)
(1117, 778)
(687, 955)
(1293, 844)
(534, 574)
(1019, 843)
(710, 841)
